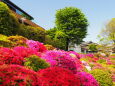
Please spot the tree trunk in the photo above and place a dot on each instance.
(67, 44)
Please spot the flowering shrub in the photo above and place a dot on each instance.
(74, 54)
(90, 55)
(49, 47)
(25, 52)
(35, 45)
(15, 55)
(103, 77)
(4, 42)
(14, 75)
(36, 63)
(17, 40)
(87, 79)
(7, 56)
(56, 76)
(62, 59)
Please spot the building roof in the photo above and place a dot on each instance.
(8, 1)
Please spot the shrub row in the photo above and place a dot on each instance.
(9, 25)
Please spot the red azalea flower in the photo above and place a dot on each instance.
(56, 76)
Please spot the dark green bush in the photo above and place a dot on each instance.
(103, 77)
(34, 33)
(9, 25)
(36, 63)
(101, 61)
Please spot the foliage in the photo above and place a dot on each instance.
(56, 38)
(49, 47)
(36, 63)
(92, 47)
(17, 40)
(56, 76)
(32, 33)
(15, 75)
(51, 32)
(101, 61)
(9, 25)
(107, 34)
(103, 77)
(54, 42)
(87, 79)
(4, 42)
(73, 22)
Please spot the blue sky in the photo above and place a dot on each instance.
(98, 12)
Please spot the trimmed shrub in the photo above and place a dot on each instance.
(4, 42)
(32, 33)
(49, 47)
(17, 40)
(36, 63)
(101, 61)
(56, 76)
(9, 24)
(15, 75)
(103, 77)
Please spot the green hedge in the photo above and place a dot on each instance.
(36, 63)
(9, 25)
(103, 77)
(34, 33)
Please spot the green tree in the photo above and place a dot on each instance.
(9, 25)
(92, 47)
(56, 38)
(73, 23)
(107, 34)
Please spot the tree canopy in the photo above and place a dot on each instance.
(107, 34)
(73, 23)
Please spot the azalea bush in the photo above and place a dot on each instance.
(56, 76)
(62, 59)
(87, 79)
(49, 47)
(35, 45)
(15, 75)
(103, 77)
(17, 40)
(15, 55)
(36, 63)
(4, 42)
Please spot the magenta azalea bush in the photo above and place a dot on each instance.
(35, 45)
(87, 79)
(62, 59)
